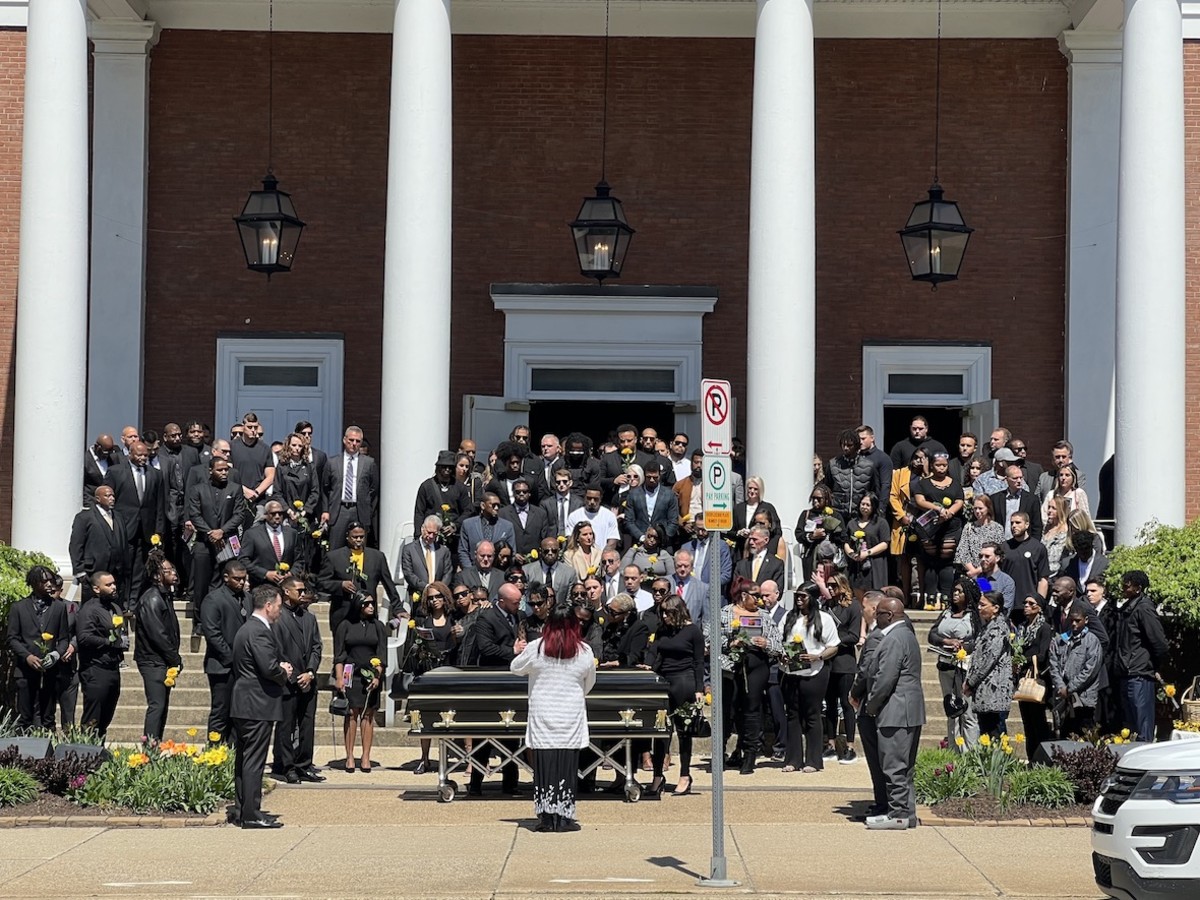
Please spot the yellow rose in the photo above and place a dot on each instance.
(961, 654)
(860, 534)
(653, 558)
(959, 741)
(829, 510)
(736, 623)
(283, 567)
(445, 507)
(985, 740)
(797, 639)
(562, 538)
(1169, 690)
(600, 619)
(591, 570)
(317, 533)
(533, 554)
(214, 736)
(155, 540)
(708, 698)
(1012, 635)
(412, 624)
(298, 504)
(416, 596)
(375, 661)
(946, 501)
(192, 732)
(651, 639)
(627, 452)
(47, 636)
(596, 660)
(1118, 740)
(1125, 732)
(118, 621)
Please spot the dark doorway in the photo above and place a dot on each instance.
(945, 425)
(598, 419)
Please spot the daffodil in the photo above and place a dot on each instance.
(1118, 740)
(1008, 749)
(1020, 738)
(591, 570)
(985, 740)
(316, 533)
(562, 538)
(960, 741)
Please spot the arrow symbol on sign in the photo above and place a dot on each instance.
(714, 445)
(719, 505)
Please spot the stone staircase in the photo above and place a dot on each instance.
(190, 698)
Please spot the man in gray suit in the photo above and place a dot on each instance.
(689, 587)
(858, 692)
(424, 560)
(897, 702)
(549, 570)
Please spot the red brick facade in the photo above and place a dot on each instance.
(12, 96)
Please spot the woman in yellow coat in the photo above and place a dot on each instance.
(902, 509)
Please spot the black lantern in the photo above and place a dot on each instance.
(601, 231)
(935, 239)
(270, 229)
(602, 235)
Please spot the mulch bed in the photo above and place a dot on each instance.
(53, 805)
(987, 807)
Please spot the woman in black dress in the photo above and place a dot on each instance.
(676, 652)
(865, 544)
(438, 643)
(816, 524)
(359, 652)
(940, 501)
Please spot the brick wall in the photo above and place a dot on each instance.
(12, 93)
(527, 144)
(1191, 124)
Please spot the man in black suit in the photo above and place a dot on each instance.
(268, 546)
(760, 565)
(353, 568)
(222, 613)
(175, 460)
(497, 644)
(38, 637)
(528, 521)
(648, 457)
(96, 460)
(442, 496)
(215, 509)
(614, 465)
(260, 679)
(1015, 499)
(559, 505)
(102, 639)
(97, 541)
(1085, 563)
(425, 560)
(300, 641)
(141, 510)
(550, 461)
(584, 471)
(351, 490)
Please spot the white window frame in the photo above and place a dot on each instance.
(327, 354)
(973, 363)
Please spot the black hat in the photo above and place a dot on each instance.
(446, 458)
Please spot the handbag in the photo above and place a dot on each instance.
(339, 705)
(1030, 689)
(697, 726)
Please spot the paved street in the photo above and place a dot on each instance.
(384, 835)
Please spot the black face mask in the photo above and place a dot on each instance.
(575, 458)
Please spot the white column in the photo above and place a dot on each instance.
(416, 275)
(781, 315)
(52, 286)
(120, 94)
(1151, 414)
(1094, 114)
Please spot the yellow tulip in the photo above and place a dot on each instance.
(1118, 740)
(591, 570)
(860, 534)
(653, 558)
(1125, 732)
(192, 732)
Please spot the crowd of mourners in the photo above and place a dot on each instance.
(1005, 552)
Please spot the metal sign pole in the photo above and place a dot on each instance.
(718, 872)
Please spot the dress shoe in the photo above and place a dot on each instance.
(310, 775)
(293, 777)
(261, 823)
(733, 760)
(474, 790)
(421, 768)
(886, 823)
(747, 765)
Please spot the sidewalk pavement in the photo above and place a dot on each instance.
(384, 835)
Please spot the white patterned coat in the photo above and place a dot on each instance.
(557, 688)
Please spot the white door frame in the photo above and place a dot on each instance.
(973, 363)
(233, 354)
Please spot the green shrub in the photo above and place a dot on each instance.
(1041, 786)
(58, 776)
(167, 778)
(17, 787)
(954, 779)
(1171, 558)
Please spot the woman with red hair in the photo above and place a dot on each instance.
(561, 670)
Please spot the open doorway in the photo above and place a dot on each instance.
(598, 419)
(945, 424)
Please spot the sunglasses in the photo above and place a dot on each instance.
(435, 596)
(537, 603)
(458, 595)
(660, 590)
